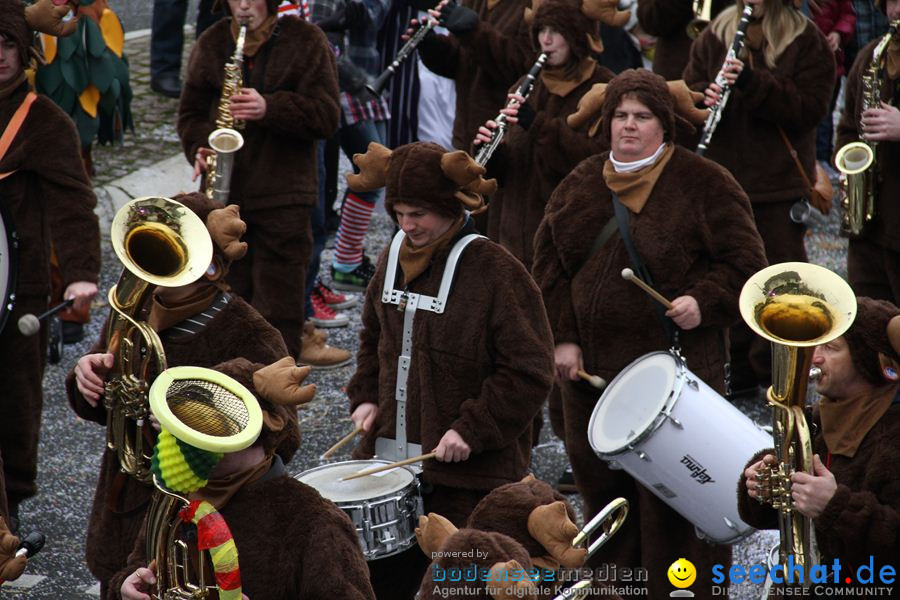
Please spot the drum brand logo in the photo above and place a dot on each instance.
(697, 470)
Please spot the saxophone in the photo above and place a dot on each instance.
(226, 140)
(796, 306)
(857, 161)
(160, 242)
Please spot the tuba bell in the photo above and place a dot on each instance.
(211, 414)
(702, 17)
(796, 306)
(160, 242)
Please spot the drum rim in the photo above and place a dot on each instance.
(361, 461)
(658, 420)
(8, 298)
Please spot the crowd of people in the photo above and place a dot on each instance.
(503, 289)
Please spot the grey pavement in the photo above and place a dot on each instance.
(149, 163)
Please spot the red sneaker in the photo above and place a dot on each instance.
(324, 315)
(332, 298)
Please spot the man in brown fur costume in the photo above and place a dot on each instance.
(873, 257)
(853, 496)
(287, 105)
(292, 544)
(691, 225)
(47, 200)
(479, 364)
(781, 90)
(200, 324)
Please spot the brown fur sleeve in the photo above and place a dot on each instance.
(848, 127)
(760, 516)
(522, 361)
(562, 148)
(441, 54)
(310, 111)
(503, 56)
(363, 386)
(798, 100)
(704, 62)
(199, 94)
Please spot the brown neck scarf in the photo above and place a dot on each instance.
(892, 61)
(846, 422)
(635, 188)
(7, 90)
(219, 491)
(556, 82)
(256, 37)
(164, 314)
(414, 261)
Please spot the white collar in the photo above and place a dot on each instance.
(630, 167)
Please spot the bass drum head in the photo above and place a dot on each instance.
(327, 481)
(7, 266)
(631, 403)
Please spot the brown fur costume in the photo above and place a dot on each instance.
(696, 237)
(275, 178)
(483, 63)
(532, 162)
(668, 21)
(874, 257)
(120, 501)
(284, 554)
(50, 204)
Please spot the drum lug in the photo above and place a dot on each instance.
(692, 383)
(643, 455)
(675, 421)
(729, 524)
(614, 465)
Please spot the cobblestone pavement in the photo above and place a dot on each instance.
(70, 448)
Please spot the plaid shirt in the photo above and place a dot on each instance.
(360, 45)
(870, 24)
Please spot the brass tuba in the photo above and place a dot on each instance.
(214, 414)
(226, 140)
(796, 306)
(161, 243)
(857, 161)
(702, 17)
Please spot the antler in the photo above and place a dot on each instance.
(686, 102)
(462, 169)
(589, 106)
(373, 167)
(606, 11)
(46, 16)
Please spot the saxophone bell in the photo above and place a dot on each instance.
(853, 161)
(225, 142)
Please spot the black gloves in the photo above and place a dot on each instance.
(526, 115)
(458, 19)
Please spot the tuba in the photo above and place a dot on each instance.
(161, 243)
(226, 140)
(214, 414)
(796, 306)
(857, 161)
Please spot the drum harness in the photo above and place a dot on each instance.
(409, 303)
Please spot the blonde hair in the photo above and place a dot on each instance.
(781, 25)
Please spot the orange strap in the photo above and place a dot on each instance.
(15, 124)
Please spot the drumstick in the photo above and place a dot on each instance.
(630, 276)
(394, 465)
(342, 442)
(595, 380)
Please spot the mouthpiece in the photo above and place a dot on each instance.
(627, 274)
(29, 325)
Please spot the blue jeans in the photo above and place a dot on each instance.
(317, 222)
(167, 33)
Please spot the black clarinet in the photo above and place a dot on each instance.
(423, 29)
(487, 150)
(715, 111)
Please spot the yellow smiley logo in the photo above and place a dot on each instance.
(682, 573)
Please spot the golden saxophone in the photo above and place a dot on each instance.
(226, 140)
(160, 242)
(796, 306)
(858, 161)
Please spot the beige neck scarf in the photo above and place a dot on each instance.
(13, 84)
(846, 422)
(414, 261)
(556, 82)
(635, 188)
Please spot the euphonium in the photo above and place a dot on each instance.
(226, 140)
(857, 161)
(160, 242)
(702, 17)
(796, 306)
(214, 414)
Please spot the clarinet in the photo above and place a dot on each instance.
(376, 87)
(715, 111)
(487, 150)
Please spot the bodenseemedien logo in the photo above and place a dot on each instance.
(682, 574)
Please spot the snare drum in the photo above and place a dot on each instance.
(674, 434)
(384, 507)
(8, 244)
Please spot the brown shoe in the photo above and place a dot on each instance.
(317, 354)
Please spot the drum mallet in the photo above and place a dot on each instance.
(30, 545)
(629, 275)
(30, 324)
(595, 380)
(342, 442)
(399, 463)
